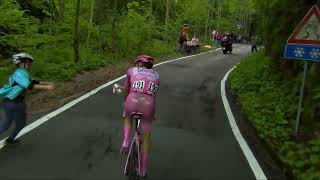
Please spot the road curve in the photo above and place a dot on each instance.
(192, 138)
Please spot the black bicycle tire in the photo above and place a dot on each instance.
(133, 162)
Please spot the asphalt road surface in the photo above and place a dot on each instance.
(192, 138)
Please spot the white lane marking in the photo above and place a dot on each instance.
(47, 117)
(186, 57)
(255, 167)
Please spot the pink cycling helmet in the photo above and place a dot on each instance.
(145, 59)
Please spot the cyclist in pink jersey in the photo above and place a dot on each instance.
(140, 89)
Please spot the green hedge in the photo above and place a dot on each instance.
(57, 66)
(269, 102)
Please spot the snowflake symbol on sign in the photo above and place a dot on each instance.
(299, 52)
(315, 53)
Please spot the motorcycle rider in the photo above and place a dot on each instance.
(226, 43)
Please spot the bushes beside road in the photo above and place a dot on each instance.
(270, 103)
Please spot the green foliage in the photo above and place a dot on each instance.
(37, 28)
(269, 101)
(317, 95)
(34, 27)
(139, 32)
(135, 29)
(277, 20)
(13, 27)
(158, 48)
(302, 159)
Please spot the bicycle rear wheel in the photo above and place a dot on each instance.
(133, 164)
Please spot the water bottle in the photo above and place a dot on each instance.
(116, 89)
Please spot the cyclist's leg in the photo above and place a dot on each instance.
(129, 107)
(127, 125)
(146, 144)
(146, 124)
(144, 104)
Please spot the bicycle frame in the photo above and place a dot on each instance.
(137, 141)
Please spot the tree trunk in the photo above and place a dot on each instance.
(62, 5)
(211, 16)
(114, 26)
(167, 21)
(220, 9)
(249, 23)
(156, 8)
(151, 18)
(99, 43)
(52, 15)
(76, 44)
(195, 27)
(151, 3)
(206, 28)
(52, 9)
(242, 19)
(90, 25)
(247, 20)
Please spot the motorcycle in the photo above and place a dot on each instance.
(226, 46)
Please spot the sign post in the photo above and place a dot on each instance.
(304, 44)
(301, 98)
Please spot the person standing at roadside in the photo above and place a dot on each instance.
(185, 31)
(183, 39)
(195, 44)
(13, 94)
(214, 39)
(253, 44)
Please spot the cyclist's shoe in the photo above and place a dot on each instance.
(125, 147)
(10, 141)
(125, 144)
(143, 175)
(144, 164)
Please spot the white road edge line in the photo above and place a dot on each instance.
(47, 117)
(255, 167)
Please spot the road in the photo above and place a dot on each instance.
(192, 138)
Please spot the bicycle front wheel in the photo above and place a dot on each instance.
(133, 164)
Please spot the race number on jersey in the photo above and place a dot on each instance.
(153, 88)
(138, 85)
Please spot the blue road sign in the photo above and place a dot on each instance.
(304, 44)
(303, 52)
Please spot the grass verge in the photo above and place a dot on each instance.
(269, 102)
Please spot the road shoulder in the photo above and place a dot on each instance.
(263, 154)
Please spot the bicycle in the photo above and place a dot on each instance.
(132, 167)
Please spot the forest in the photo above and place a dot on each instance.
(67, 37)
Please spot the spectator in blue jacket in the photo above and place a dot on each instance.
(13, 94)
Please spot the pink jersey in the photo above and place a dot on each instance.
(141, 80)
(142, 85)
